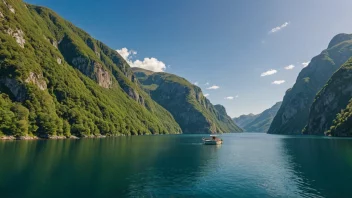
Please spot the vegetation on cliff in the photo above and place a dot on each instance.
(186, 102)
(56, 80)
(293, 115)
(331, 112)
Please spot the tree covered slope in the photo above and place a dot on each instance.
(186, 103)
(56, 80)
(331, 112)
(294, 112)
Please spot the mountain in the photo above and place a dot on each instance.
(56, 80)
(186, 102)
(331, 111)
(243, 120)
(294, 112)
(260, 122)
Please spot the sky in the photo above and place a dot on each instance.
(244, 54)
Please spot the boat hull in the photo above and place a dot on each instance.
(211, 142)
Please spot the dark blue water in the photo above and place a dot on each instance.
(246, 165)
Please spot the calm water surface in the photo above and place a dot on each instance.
(246, 165)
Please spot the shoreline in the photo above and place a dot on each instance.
(13, 138)
(28, 137)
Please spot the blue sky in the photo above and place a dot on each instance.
(226, 43)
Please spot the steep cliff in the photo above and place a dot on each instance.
(293, 114)
(56, 80)
(331, 112)
(186, 102)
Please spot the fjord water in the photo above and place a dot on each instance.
(246, 165)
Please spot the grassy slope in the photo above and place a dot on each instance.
(185, 101)
(73, 102)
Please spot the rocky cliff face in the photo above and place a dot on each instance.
(293, 114)
(260, 122)
(330, 112)
(56, 80)
(186, 102)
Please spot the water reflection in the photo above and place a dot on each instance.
(98, 167)
(246, 165)
(324, 164)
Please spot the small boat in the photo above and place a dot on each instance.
(212, 141)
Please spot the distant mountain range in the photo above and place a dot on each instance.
(319, 101)
(258, 123)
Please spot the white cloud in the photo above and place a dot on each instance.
(305, 64)
(278, 28)
(125, 53)
(152, 64)
(206, 95)
(207, 83)
(237, 96)
(213, 87)
(268, 73)
(229, 98)
(278, 82)
(289, 67)
(196, 83)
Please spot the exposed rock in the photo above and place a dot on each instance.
(16, 88)
(18, 35)
(7, 137)
(59, 61)
(94, 70)
(334, 97)
(37, 79)
(186, 103)
(92, 45)
(74, 137)
(134, 95)
(102, 76)
(294, 112)
(27, 138)
(100, 136)
(54, 43)
(74, 102)
(9, 7)
(57, 137)
(1, 15)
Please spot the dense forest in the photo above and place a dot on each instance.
(56, 80)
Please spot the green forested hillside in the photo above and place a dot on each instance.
(293, 115)
(331, 112)
(56, 80)
(186, 102)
